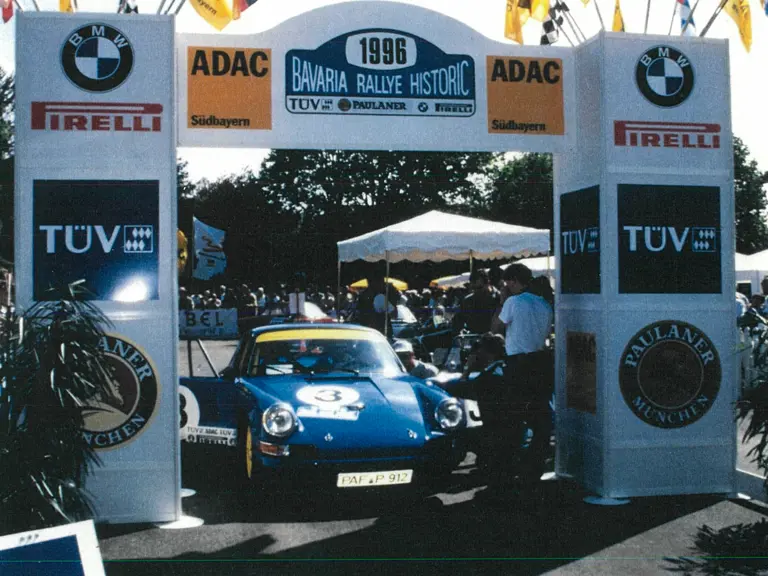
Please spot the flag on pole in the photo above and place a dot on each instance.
(540, 10)
(684, 9)
(209, 251)
(130, 7)
(618, 20)
(739, 11)
(7, 10)
(66, 6)
(216, 12)
(240, 6)
(765, 6)
(550, 28)
(585, 2)
(513, 27)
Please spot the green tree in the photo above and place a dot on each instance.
(751, 204)
(184, 186)
(6, 165)
(521, 192)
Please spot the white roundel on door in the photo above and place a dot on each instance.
(327, 396)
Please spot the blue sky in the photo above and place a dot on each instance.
(748, 71)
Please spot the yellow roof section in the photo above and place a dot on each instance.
(318, 334)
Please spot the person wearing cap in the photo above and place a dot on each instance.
(423, 370)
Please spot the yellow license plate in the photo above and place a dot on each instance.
(363, 479)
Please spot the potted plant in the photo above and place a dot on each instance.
(51, 363)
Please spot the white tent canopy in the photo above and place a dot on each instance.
(752, 269)
(540, 266)
(438, 236)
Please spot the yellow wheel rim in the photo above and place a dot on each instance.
(248, 451)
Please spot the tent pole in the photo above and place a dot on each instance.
(386, 297)
(470, 263)
(338, 290)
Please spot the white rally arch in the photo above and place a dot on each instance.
(641, 133)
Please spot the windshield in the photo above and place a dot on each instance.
(314, 351)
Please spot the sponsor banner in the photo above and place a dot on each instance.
(120, 416)
(580, 241)
(96, 117)
(379, 72)
(208, 324)
(209, 435)
(643, 134)
(525, 95)
(581, 372)
(101, 231)
(229, 88)
(669, 239)
(670, 374)
(68, 550)
(97, 58)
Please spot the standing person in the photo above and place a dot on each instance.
(478, 308)
(526, 320)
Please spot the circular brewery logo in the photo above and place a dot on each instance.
(344, 105)
(97, 58)
(664, 75)
(118, 415)
(670, 374)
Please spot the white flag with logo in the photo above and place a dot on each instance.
(209, 249)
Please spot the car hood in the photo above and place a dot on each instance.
(354, 411)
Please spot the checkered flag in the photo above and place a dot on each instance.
(550, 28)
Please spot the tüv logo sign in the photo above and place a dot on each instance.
(665, 238)
(83, 238)
(586, 240)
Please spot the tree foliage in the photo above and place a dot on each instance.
(6, 165)
(751, 204)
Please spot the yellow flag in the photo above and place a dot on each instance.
(585, 2)
(513, 27)
(66, 6)
(539, 10)
(618, 20)
(739, 11)
(216, 12)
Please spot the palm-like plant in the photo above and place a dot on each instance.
(753, 405)
(51, 363)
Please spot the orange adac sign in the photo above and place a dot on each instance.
(525, 96)
(229, 88)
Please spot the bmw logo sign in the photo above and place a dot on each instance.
(664, 76)
(97, 58)
(423, 107)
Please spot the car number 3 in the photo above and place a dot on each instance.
(328, 395)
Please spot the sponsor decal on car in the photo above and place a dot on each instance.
(664, 76)
(318, 334)
(96, 116)
(670, 374)
(120, 415)
(642, 134)
(97, 57)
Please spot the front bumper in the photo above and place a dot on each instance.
(307, 466)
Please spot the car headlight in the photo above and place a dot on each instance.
(449, 414)
(279, 420)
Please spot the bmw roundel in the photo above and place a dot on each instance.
(97, 58)
(664, 76)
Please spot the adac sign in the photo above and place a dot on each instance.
(229, 88)
(525, 96)
(670, 374)
(120, 415)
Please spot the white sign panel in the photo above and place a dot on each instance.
(96, 201)
(69, 549)
(208, 324)
(379, 75)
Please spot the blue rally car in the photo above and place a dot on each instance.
(323, 405)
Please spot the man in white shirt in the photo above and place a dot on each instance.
(526, 320)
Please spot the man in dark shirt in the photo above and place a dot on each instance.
(478, 308)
